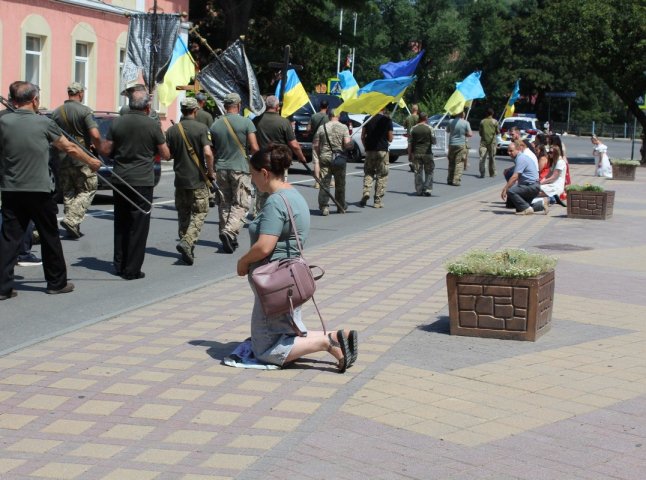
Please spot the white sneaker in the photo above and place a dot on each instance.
(546, 206)
(527, 211)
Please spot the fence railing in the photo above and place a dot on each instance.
(612, 130)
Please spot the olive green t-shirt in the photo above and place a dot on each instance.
(77, 120)
(227, 152)
(204, 117)
(422, 139)
(411, 121)
(136, 137)
(187, 174)
(273, 128)
(317, 120)
(24, 151)
(488, 130)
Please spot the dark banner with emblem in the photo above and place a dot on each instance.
(151, 39)
(232, 72)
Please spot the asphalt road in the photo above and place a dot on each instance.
(34, 316)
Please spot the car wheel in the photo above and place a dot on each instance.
(393, 158)
(355, 154)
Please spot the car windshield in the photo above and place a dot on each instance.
(521, 124)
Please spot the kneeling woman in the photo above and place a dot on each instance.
(274, 339)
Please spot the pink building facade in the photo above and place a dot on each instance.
(55, 42)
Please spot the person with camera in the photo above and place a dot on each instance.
(330, 142)
(189, 142)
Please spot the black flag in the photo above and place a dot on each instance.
(151, 39)
(231, 72)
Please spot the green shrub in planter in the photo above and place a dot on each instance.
(507, 294)
(510, 263)
(624, 161)
(584, 188)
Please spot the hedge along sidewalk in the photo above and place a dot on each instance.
(144, 394)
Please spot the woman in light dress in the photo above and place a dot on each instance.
(602, 162)
(553, 185)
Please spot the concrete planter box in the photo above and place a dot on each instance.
(623, 172)
(500, 307)
(590, 205)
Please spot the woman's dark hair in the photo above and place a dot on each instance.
(541, 151)
(556, 140)
(541, 139)
(273, 158)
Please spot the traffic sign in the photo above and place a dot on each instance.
(334, 86)
(561, 94)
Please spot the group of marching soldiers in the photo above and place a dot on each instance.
(132, 141)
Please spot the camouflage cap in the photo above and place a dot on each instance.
(75, 87)
(189, 103)
(200, 96)
(232, 99)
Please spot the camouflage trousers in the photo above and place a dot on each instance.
(488, 152)
(457, 157)
(236, 197)
(423, 167)
(78, 184)
(326, 172)
(192, 208)
(375, 169)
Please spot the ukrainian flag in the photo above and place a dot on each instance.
(180, 71)
(376, 95)
(509, 108)
(468, 89)
(295, 94)
(349, 86)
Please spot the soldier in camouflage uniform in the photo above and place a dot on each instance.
(202, 115)
(376, 135)
(191, 189)
(331, 138)
(409, 122)
(78, 182)
(420, 151)
(234, 138)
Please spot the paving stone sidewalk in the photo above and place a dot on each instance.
(144, 395)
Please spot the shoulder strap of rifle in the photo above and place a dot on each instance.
(192, 153)
(235, 137)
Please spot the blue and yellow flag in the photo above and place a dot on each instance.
(376, 95)
(401, 69)
(509, 108)
(295, 94)
(349, 86)
(468, 89)
(180, 71)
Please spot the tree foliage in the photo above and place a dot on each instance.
(596, 48)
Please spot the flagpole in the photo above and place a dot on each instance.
(153, 55)
(354, 34)
(505, 109)
(338, 57)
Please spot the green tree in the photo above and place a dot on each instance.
(604, 38)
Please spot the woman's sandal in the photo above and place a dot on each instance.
(353, 341)
(342, 343)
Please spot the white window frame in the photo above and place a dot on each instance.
(36, 26)
(34, 57)
(83, 61)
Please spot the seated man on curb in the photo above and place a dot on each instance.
(523, 186)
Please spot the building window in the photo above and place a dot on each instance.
(33, 55)
(123, 100)
(81, 64)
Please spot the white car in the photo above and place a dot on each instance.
(398, 147)
(528, 126)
